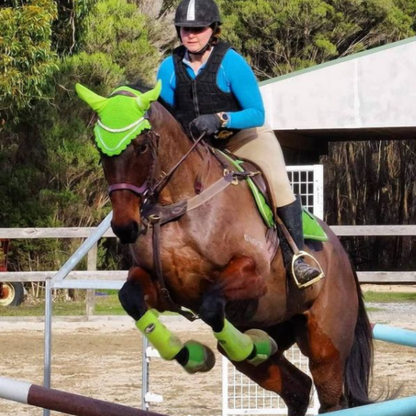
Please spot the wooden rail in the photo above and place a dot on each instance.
(90, 279)
(63, 402)
(373, 230)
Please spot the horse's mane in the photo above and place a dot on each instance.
(139, 85)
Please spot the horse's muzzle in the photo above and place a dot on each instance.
(127, 233)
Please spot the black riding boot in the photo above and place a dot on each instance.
(291, 215)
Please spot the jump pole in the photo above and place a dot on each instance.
(398, 407)
(60, 401)
(394, 335)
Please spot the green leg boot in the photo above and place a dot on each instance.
(254, 346)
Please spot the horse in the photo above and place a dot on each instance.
(199, 246)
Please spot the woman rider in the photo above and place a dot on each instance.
(213, 90)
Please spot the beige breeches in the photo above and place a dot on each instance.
(261, 146)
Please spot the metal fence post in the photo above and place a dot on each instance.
(90, 295)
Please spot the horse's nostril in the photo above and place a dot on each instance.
(127, 233)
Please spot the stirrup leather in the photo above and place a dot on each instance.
(301, 254)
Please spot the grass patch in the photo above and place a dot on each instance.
(108, 305)
(389, 297)
(371, 309)
(38, 309)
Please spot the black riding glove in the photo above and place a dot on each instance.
(208, 124)
(132, 300)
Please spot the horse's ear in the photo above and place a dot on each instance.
(143, 101)
(95, 101)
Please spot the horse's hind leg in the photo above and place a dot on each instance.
(277, 374)
(326, 364)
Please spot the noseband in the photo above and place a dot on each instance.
(140, 191)
(147, 188)
(150, 187)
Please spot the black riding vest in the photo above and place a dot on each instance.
(195, 97)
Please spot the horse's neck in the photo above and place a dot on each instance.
(182, 182)
(174, 144)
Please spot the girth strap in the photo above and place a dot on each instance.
(159, 273)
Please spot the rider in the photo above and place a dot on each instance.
(211, 89)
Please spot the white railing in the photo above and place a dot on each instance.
(241, 396)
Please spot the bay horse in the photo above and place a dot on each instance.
(198, 242)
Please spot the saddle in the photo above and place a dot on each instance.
(261, 192)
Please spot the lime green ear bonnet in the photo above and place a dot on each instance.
(121, 118)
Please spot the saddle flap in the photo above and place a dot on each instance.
(259, 179)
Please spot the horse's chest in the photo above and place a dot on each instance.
(183, 266)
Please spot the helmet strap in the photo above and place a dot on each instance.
(201, 51)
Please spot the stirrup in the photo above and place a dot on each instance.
(320, 276)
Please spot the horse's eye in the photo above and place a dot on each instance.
(143, 148)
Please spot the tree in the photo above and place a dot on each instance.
(119, 30)
(27, 58)
(51, 176)
(279, 37)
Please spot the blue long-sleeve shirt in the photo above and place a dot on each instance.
(235, 76)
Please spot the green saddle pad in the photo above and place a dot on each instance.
(311, 228)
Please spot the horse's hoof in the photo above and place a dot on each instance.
(201, 358)
(264, 346)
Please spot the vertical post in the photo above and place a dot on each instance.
(62, 274)
(48, 338)
(145, 373)
(318, 191)
(225, 386)
(90, 296)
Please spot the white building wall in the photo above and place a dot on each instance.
(373, 89)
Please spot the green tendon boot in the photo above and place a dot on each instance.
(167, 344)
(199, 357)
(303, 274)
(254, 346)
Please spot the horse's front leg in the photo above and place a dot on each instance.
(192, 356)
(236, 282)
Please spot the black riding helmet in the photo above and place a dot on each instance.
(198, 13)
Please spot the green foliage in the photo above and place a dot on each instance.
(27, 59)
(278, 37)
(51, 176)
(55, 179)
(118, 29)
(70, 28)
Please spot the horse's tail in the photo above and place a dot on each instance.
(359, 363)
